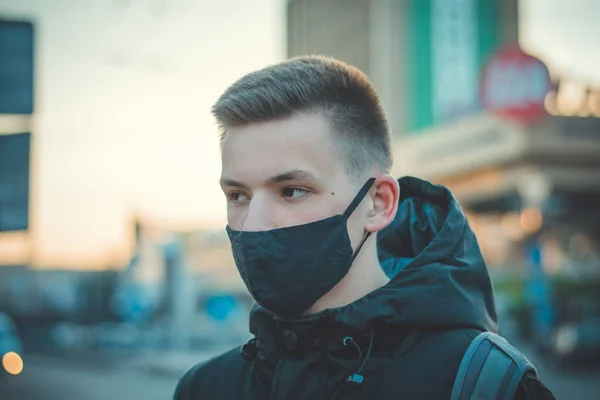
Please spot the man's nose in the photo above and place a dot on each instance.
(258, 218)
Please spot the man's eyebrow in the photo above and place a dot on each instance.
(231, 182)
(295, 175)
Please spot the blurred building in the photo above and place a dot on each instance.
(425, 58)
(206, 259)
(404, 46)
(173, 273)
(185, 282)
(48, 296)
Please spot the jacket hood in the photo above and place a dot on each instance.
(439, 279)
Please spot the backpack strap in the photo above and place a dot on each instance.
(491, 369)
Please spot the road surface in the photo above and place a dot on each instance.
(50, 378)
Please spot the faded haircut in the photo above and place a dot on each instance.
(314, 84)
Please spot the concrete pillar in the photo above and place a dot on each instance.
(386, 64)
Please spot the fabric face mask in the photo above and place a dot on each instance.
(288, 269)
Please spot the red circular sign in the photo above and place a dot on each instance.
(514, 85)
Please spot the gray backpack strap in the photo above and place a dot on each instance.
(491, 369)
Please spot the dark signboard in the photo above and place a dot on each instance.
(14, 182)
(16, 67)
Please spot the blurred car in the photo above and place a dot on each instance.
(11, 347)
(578, 342)
(577, 338)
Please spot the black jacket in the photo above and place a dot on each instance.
(405, 340)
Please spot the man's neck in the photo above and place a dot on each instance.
(364, 276)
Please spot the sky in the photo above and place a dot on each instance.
(123, 124)
(563, 33)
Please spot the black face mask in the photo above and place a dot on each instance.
(288, 269)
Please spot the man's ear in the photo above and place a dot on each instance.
(385, 195)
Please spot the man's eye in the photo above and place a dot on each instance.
(294, 193)
(237, 197)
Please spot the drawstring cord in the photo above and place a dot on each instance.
(356, 379)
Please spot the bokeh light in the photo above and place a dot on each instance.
(12, 363)
(531, 220)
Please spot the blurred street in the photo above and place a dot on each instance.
(154, 377)
(120, 377)
(49, 378)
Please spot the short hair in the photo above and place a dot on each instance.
(314, 84)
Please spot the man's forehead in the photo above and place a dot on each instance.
(273, 164)
(298, 132)
(261, 152)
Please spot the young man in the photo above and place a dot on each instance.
(367, 287)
